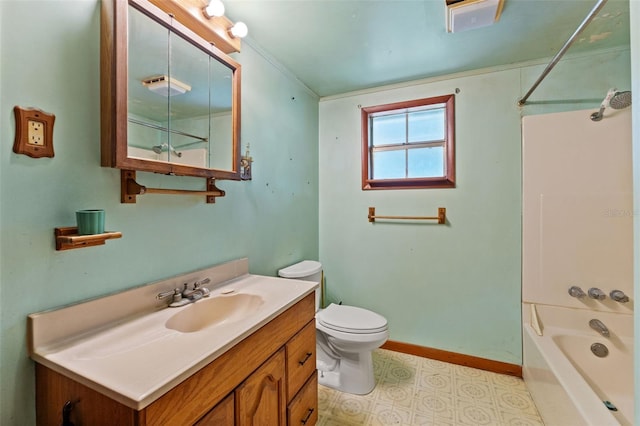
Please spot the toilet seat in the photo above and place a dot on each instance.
(350, 319)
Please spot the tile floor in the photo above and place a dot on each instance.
(412, 390)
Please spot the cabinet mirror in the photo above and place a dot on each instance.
(170, 100)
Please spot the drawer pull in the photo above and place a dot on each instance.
(306, 419)
(305, 358)
(66, 413)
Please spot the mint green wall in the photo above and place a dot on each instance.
(455, 287)
(272, 220)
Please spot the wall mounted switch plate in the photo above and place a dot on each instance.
(34, 132)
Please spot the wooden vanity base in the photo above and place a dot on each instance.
(265, 378)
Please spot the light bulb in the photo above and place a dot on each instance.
(215, 8)
(239, 30)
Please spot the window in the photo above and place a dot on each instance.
(409, 144)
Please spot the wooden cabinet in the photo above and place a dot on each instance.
(266, 379)
(261, 398)
(301, 358)
(222, 414)
(302, 380)
(303, 409)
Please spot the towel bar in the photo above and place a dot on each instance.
(441, 218)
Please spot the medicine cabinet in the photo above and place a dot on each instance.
(170, 100)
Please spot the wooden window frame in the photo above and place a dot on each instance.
(446, 181)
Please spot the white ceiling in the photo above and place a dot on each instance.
(337, 46)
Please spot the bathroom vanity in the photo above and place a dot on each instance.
(254, 363)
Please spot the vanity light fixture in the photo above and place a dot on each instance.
(165, 85)
(239, 30)
(214, 8)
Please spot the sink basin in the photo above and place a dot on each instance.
(214, 310)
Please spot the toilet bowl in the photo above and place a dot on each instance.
(345, 337)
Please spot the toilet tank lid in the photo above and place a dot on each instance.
(301, 269)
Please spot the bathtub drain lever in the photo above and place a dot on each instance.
(599, 350)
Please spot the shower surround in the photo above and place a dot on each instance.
(577, 231)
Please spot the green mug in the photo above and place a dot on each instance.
(90, 222)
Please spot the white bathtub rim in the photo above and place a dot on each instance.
(576, 319)
(582, 395)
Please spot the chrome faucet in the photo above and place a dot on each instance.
(598, 326)
(596, 293)
(575, 291)
(198, 292)
(186, 296)
(619, 296)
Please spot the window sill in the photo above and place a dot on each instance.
(427, 183)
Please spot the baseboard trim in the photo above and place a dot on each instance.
(455, 358)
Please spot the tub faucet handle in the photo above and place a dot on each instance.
(596, 293)
(575, 291)
(619, 296)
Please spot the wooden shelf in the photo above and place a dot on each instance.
(67, 238)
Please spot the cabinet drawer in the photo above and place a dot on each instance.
(301, 358)
(303, 410)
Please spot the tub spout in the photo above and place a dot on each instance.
(598, 326)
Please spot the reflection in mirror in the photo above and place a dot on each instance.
(179, 99)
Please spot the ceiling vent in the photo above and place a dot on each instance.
(164, 85)
(463, 15)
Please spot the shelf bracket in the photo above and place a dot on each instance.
(130, 189)
(67, 238)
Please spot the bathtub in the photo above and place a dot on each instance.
(567, 382)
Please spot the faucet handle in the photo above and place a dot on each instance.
(619, 296)
(168, 293)
(575, 291)
(596, 293)
(197, 284)
(176, 293)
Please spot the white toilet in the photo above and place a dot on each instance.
(345, 337)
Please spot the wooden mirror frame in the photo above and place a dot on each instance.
(114, 91)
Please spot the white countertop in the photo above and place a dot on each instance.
(138, 359)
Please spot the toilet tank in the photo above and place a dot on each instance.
(307, 270)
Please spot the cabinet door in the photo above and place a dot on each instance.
(220, 415)
(260, 399)
(88, 407)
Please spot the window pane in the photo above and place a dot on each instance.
(426, 162)
(389, 164)
(388, 129)
(426, 125)
(409, 144)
